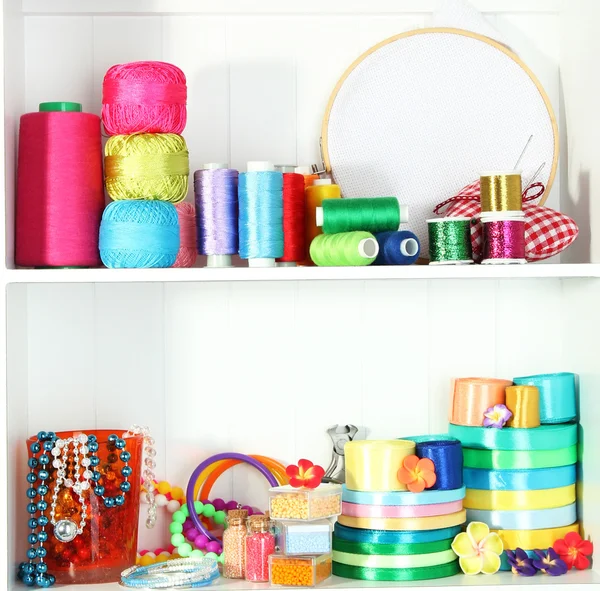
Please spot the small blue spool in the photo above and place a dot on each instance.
(139, 234)
(397, 248)
(557, 396)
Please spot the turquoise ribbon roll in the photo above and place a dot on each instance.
(446, 454)
(505, 565)
(403, 498)
(376, 536)
(557, 396)
(539, 479)
(540, 519)
(510, 439)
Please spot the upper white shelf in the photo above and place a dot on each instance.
(426, 272)
(259, 7)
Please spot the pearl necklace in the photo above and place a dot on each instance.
(66, 530)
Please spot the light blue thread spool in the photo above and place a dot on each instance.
(557, 396)
(139, 234)
(260, 193)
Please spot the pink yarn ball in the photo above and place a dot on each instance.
(213, 547)
(231, 505)
(144, 97)
(219, 504)
(201, 541)
(186, 257)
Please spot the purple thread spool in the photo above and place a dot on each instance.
(216, 196)
(503, 238)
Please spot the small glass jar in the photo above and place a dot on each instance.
(260, 544)
(234, 544)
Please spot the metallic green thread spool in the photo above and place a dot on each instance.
(376, 214)
(349, 249)
(450, 241)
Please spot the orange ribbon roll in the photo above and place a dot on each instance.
(471, 397)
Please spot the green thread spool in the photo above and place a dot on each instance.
(379, 214)
(450, 241)
(349, 249)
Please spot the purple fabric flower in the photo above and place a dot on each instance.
(550, 563)
(496, 416)
(520, 563)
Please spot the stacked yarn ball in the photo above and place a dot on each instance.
(146, 160)
(520, 474)
(389, 533)
(187, 235)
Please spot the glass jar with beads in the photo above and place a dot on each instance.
(90, 503)
(234, 544)
(260, 544)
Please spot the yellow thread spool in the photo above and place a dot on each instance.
(374, 465)
(524, 403)
(500, 191)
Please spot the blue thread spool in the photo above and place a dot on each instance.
(260, 193)
(397, 248)
(446, 454)
(139, 234)
(557, 396)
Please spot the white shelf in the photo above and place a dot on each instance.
(455, 583)
(424, 272)
(271, 6)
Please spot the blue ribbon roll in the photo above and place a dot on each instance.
(557, 396)
(534, 479)
(446, 454)
(428, 497)
(377, 536)
(540, 519)
(510, 439)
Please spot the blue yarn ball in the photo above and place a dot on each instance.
(139, 234)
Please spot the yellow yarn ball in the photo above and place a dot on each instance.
(151, 166)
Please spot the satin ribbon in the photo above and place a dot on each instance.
(406, 561)
(519, 460)
(512, 439)
(520, 479)
(393, 549)
(396, 574)
(406, 523)
(374, 465)
(541, 519)
(471, 397)
(446, 454)
(428, 497)
(557, 396)
(524, 403)
(534, 539)
(519, 500)
(353, 510)
(374, 536)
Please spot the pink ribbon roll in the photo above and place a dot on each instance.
(354, 510)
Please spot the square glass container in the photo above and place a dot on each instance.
(299, 571)
(305, 504)
(294, 539)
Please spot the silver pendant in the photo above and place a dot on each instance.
(65, 530)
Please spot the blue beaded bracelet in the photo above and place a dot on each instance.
(173, 574)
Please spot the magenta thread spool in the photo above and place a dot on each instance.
(503, 238)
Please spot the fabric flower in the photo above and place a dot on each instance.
(549, 563)
(305, 474)
(574, 551)
(520, 563)
(417, 474)
(478, 550)
(496, 416)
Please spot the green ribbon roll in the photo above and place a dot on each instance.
(396, 574)
(495, 459)
(538, 438)
(405, 561)
(390, 549)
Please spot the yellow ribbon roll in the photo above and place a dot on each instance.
(519, 500)
(524, 403)
(405, 523)
(471, 397)
(534, 539)
(373, 465)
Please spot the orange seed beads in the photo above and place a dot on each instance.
(299, 572)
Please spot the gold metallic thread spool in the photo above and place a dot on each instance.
(500, 191)
(524, 403)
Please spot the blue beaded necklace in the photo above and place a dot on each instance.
(32, 573)
(114, 444)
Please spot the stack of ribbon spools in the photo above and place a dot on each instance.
(358, 231)
(402, 507)
(520, 454)
(146, 166)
